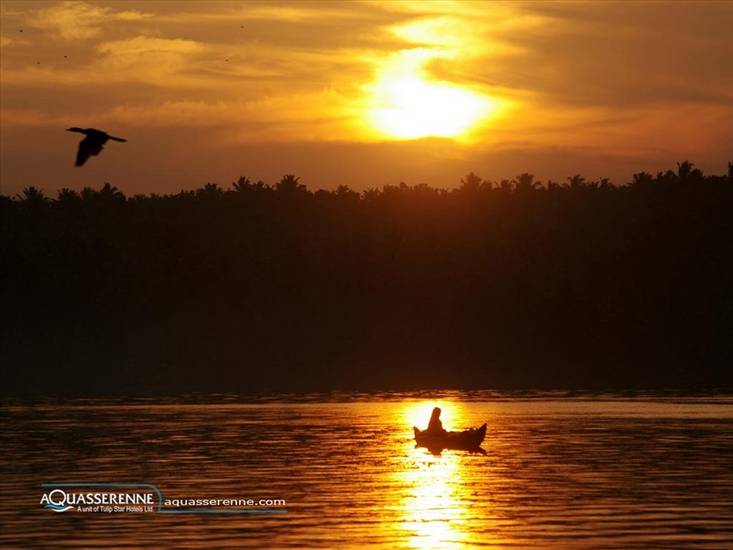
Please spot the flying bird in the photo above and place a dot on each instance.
(92, 144)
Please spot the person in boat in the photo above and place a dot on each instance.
(435, 426)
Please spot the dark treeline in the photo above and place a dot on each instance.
(257, 287)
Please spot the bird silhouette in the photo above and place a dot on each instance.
(92, 144)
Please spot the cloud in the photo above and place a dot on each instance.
(291, 13)
(276, 118)
(620, 54)
(79, 20)
(140, 46)
(143, 60)
(150, 60)
(29, 117)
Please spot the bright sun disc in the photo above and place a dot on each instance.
(408, 108)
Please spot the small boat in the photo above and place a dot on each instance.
(467, 440)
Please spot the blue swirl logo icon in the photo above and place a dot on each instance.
(56, 500)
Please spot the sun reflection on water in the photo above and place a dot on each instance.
(435, 515)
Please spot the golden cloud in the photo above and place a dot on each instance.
(79, 20)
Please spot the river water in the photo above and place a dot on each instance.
(559, 470)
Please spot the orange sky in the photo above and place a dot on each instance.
(361, 93)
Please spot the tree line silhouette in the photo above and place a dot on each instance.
(516, 283)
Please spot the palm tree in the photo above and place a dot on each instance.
(525, 182)
(642, 179)
(371, 193)
(344, 191)
(605, 184)
(576, 182)
(33, 197)
(290, 183)
(111, 193)
(684, 169)
(243, 184)
(66, 195)
(210, 190)
(471, 183)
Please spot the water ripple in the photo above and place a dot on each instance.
(560, 470)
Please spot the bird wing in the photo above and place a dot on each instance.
(87, 147)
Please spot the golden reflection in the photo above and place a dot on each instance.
(435, 514)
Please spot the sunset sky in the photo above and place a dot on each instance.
(361, 93)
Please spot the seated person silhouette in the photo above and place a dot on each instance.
(435, 426)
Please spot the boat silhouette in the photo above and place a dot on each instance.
(467, 440)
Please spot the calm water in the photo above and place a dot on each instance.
(559, 471)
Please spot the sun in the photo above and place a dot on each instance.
(412, 108)
(406, 104)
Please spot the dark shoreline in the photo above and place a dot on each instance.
(511, 284)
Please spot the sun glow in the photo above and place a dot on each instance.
(407, 102)
(409, 107)
(418, 414)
